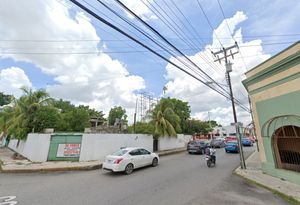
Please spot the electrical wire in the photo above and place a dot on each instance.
(174, 47)
(139, 42)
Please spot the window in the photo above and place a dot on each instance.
(144, 152)
(135, 152)
(120, 152)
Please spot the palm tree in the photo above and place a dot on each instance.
(24, 111)
(5, 121)
(167, 123)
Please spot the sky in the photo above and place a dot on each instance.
(56, 46)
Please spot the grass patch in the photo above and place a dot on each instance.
(285, 197)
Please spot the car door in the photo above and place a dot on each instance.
(136, 158)
(147, 157)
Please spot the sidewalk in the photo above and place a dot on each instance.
(254, 174)
(10, 165)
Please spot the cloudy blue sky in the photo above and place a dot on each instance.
(52, 44)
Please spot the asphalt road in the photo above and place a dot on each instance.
(180, 179)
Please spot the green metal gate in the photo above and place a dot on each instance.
(64, 147)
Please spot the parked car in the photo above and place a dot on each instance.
(247, 142)
(230, 138)
(232, 146)
(217, 143)
(197, 146)
(128, 159)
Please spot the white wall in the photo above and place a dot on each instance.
(97, 146)
(35, 148)
(166, 143)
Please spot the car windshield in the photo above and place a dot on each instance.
(120, 152)
(232, 143)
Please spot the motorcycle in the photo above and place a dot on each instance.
(210, 160)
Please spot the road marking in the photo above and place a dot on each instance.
(7, 200)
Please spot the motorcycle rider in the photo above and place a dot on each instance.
(211, 152)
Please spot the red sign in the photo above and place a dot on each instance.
(68, 150)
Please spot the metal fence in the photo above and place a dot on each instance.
(287, 147)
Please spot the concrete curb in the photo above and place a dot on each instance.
(170, 152)
(53, 169)
(74, 168)
(284, 196)
(239, 172)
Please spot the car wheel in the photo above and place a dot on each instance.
(226, 151)
(154, 162)
(129, 169)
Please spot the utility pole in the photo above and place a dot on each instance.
(254, 130)
(227, 52)
(134, 117)
(211, 134)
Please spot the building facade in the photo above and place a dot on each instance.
(274, 90)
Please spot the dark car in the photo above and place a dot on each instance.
(217, 143)
(197, 147)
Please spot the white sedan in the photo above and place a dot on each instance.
(129, 158)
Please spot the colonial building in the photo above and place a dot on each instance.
(274, 90)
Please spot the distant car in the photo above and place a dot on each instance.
(230, 138)
(217, 143)
(128, 159)
(232, 146)
(247, 142)
(197, 146)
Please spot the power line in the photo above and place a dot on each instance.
(196, 49)
(231, 33)
(142, 32)
(87, 40)
(140, 43)
(195, 34)
(164, 39)
(208, 21)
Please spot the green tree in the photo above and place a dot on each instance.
(142, 128)
(5, 99)
(23, 119)
(76, 120)
(116, 112)
(93, 113)
(63, 106)
(183, 110)
(167, 122)
(6, 117)
(47, 117)
(197, 126)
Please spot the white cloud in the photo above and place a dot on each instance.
(95, 79)
(201, 98)
(139, 8)
(12, 79)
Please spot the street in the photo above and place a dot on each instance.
(179, 179)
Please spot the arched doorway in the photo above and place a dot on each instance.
(286, 146)
(284, 133)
